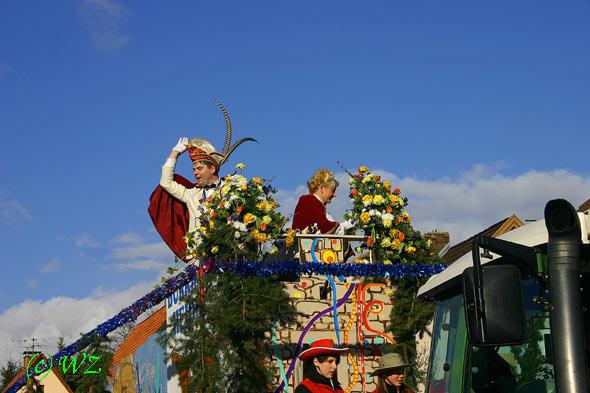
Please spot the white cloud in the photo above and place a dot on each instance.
(84, 240)
(50, 266)
(128, 238)
(13, 212)
(61, 316)
(137, 254)
(469, 203)
(103, 18)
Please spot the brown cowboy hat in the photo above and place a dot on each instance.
(319, 348)
(387, 362)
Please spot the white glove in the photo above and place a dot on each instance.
(181, 145)
(346, 225)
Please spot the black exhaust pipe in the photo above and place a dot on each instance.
(567, 326)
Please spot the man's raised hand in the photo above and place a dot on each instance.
(181, 145)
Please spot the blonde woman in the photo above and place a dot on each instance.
(311, 208)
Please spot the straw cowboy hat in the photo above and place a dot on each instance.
(319, 348)
(387, 362)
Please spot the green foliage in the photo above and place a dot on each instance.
(225, 347)
(409, 315)
(83, 381)
(8, 372)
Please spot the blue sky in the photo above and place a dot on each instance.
(477, 109)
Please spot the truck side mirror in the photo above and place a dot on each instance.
(494, 309)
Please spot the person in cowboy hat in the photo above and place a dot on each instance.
(320, 363)
(177, 203)
(390, 373)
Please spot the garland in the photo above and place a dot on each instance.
(241, 268)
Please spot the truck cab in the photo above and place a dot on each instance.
(481, 348)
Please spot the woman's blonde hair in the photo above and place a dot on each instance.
(321, 178)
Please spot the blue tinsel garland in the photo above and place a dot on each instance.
(241, 268)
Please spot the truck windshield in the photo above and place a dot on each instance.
(522, 368)
(447, 347)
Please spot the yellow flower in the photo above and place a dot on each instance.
(395, 199)
(378, 199)
(405, 216)
(367, 199)
(266, 219)
(411, 249)
(214, 249)
(261, 205)
(270, 205)
(393, 232)
(257, 180)
(387, 223)
(365, 217)
(363, 169)
(368, 178)
(386, 242)
(387, 185)
(290, 240)
(258, 237)
(387, 262)
(202, 229)
(243, 187)
(225, 189)
(211, 224)
(395, 244)
(249, 218)
(241, 166)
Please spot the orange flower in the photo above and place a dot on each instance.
(262, 226)
(401, 236)
(370, 241)
(213, 214)
(376, 177)
(388, 209)
(239, 208)
(396, 191)
(354, 192)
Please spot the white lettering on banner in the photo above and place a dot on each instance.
(175, 307)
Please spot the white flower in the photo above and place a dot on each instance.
(240, 226)
(387, 216)
(237, 234)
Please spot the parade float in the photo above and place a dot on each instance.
(245, 305)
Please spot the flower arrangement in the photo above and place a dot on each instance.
(379, 212)
(239, 217)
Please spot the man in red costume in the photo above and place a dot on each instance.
(177, 204)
